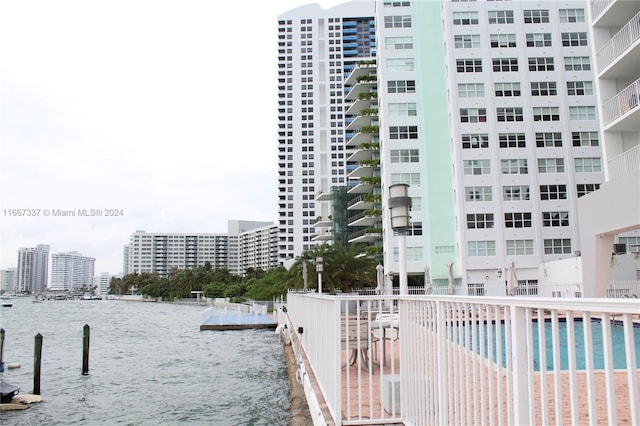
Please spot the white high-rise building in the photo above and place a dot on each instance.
(486, 109)
(316, 50)
(8, 279)
(71, 271)
(33, 268)
(610, 216)
(248, 244)
(101, 283)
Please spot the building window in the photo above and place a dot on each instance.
(401, 86)
(505, 64)
(501, 17)
(403, 132)
(549, 140)
(466, 41)
(555, 219)
(577, 63)
(538, 39)
(515, 193)
(477, 167)
(553, 192)
(478, 193)
(404, 156)
(550, 165)
(400, 64)
(465, 18)
(474, 141)
(512, 140)
(585, 188)
(632, 244)
(514, 167)
(557, 246)
(536, 16)
(588, 165)
(517, 220)
(519, 247)
(541, 64)
(393, 4)
(579, 88)
(503, 40)
(585, 138)
(546, 114)
(408, 178)
(473, 115)
(398, 43)
(480, 221)
(543, 88)
(574, 39)
(475, 289)
(507, 89)
(582, 113)
(481, 248)
(401, 21)
(403, 110)
(571, 15)
(469, 65)
(471, 90)
(509, 114)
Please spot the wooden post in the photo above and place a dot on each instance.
(1, 349)
(37, 360)
(85, 349)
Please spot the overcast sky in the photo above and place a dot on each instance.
(164, 110)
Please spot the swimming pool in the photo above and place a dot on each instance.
(617, 338)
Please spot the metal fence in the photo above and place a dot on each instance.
(423, 360)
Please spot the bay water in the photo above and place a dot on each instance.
(149, 364)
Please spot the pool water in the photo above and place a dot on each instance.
(617, 338)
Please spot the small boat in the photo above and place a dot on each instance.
(7, 304)
(8, 391)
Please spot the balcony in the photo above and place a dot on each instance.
(367, 236)
(614, 59)
(366, 218)
(624, 104)
(625, 163)
(609, 13)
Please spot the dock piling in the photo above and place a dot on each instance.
(37, 361)
(1, 349)
(85, 349)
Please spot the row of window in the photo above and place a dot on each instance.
(479, 115)
(571, 63)
(538, 88)
(530, 16)
(519, 247)
(522, 192)
(472, 41)
(517, 220)
(520, 166)
(518, 140)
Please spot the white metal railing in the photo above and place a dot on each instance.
(599, 6)
(625, 163)
(623, 102)
(472, 360)
(623, 39)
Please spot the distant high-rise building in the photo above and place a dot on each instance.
(33, 268)
(8, 279)
(248, 244)
(611, 214)
(71, 271)
(101, 283)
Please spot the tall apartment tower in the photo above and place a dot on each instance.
(33, 268)
(487, 109)
(8, 280)
(71, 271)
(317, 48)
(612, 213)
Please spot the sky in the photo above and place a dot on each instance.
(155, 115)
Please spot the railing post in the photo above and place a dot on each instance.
(443, 399)
(521, 397)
